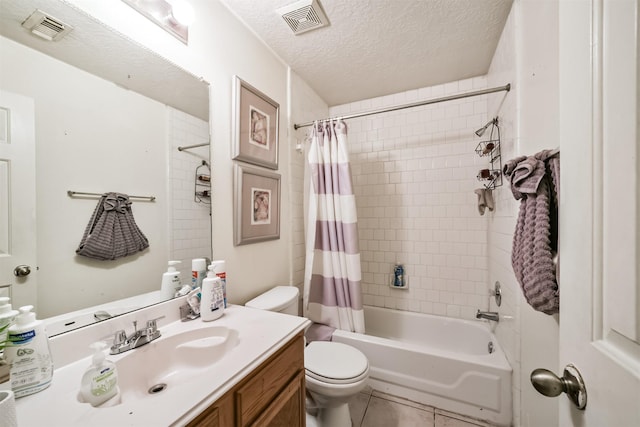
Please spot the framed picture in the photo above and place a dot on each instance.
(256, 204)
(255, 126)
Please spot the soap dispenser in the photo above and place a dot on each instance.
(170, 281)
(100, 380)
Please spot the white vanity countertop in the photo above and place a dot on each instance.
(261, 334)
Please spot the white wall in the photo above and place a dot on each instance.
(526, 56)
(414, 174)
(220, 46)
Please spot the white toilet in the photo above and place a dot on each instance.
(334, 372)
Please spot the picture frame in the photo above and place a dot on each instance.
(255, 126)
(256, 205)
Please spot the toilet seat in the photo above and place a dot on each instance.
(335, 363)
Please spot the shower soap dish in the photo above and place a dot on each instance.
(405, 282)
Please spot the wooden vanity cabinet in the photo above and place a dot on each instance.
(272, 395)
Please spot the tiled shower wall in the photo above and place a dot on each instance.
(414, 174)
(190, 221)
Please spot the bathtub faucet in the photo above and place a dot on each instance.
(489, 315)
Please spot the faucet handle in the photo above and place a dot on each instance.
(119, 338)
(152, 325)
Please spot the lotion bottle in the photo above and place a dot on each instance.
(29, 355)
(212, 301)
(100, 380)
(170, 281)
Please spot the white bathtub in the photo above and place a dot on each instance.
(437, 361)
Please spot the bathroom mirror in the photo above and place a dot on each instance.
(109, 115)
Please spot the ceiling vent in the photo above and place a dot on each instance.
(303, 16)
(46, 26)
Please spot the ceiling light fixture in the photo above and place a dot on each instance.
(174, 16)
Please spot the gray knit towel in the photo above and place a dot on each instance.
(112, 232)
(535, 181)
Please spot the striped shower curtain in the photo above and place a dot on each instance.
(332, 289)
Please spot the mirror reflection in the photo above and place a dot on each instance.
(94, 136)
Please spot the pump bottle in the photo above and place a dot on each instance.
(170, 281)
(100, 380)
(212, 301)
(29, 355)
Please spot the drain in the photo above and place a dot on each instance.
(155, 389)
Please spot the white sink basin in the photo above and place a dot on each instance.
(169, 362)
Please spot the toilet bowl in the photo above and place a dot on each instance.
(334, 372)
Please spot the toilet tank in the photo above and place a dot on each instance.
(283, 299)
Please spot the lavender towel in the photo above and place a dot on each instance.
(535, 181)
(112, 232)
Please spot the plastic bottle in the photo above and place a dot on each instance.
(29, 355)
(198, 272)
(170, 281)
(398, 276)
(100, 380)
(212, 300)
(6, 318)
(219, 269)
(193, 299)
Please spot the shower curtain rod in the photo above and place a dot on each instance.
(506, 87)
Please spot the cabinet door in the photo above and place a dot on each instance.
(220, 414)
(259, 391)
(287, 410)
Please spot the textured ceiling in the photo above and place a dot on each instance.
(100, 50)
(378, 47)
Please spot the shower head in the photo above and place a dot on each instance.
(483, 129)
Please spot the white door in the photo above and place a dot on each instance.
(17, 199)
(600, 209)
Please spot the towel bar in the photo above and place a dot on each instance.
(71, 193)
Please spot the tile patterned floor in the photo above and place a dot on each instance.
(372, 408)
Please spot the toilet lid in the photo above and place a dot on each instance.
(334, 362)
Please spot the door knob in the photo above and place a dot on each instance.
(571, 383)
(22, 271)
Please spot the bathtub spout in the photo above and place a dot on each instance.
(489, 315)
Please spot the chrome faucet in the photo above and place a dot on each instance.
(122, 342)
(489, 315)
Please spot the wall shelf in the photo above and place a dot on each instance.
(490, 148)
(202, 191)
